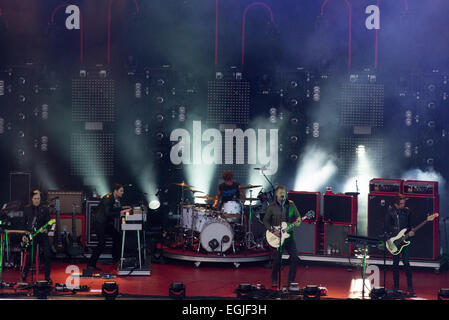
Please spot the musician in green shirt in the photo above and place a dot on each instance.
(282, 210)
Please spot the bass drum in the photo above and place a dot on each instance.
(216, 236)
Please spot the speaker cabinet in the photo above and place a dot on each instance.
(20, 187)
(306, 201)
(426, 242)
(340, 208)
(306, 237)
(69, 200)
(335, 239)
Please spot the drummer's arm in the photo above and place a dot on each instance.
(217, 197)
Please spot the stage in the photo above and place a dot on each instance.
(218, 281)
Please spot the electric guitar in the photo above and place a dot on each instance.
(58, 245)
(395, 244)
(73, 244)
(285, 228)
(28, 238)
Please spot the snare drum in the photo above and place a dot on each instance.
(216, 236)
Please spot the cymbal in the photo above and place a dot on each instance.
(183, 184)
(249, 187)
(230, 215)
(251, 199)
(194, 190)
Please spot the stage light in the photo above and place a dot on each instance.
(378, 293)
(244, 291)
(160, 82)
(430, 161)
(431, 87)
(316, 130)
(443, 294)
(430, 142)
(160, 100)
(360, 150)
(408, 149)
(218, 76)
(293, 102)
(408, 118)
(2, 125)
(44, 143)
(2, 87)
(159, 136)
(431, 124)
(20, 153)
(154, 204)
(159, 155)
(22, 81)
(431, 105)
(293, 84)
(41, 289)
(177, 290)
(44, 112)
(294, 121)
(102, 74)
(83, 73)
(311, 292)
(353, 78)
(22, 98)
(21, 134)
(21, 116)
(160, 118)
(293, 139)
(138, 90)
(182, 113)
(109, 290)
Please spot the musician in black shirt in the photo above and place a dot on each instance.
(397, 218)
(103, 223)
(36, 216)
(229, 190)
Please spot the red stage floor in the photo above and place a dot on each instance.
(220, 280)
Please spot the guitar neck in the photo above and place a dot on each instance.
(419, 226)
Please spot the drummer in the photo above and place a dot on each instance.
(229, 190)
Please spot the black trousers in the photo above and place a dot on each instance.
(407, 268)
(101, 230)
(289, 247)
(44, 245)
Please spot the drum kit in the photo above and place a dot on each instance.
(235, 225)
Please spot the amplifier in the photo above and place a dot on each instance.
(335, 239)
(306, 201)
(69, 200)
(20, 187)
(340, 208)
(306, 237)
(424, 188)
(386, 186)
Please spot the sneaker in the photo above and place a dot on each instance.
(49, 281)
(274, 284)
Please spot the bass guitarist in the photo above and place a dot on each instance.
(36, 216)
(282, 210)
(398, 217)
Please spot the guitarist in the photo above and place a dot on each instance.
(277, 212)
(397, 218)
(35, 216)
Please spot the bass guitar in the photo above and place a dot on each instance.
(395, 244)
(285, 228)
(28, 238)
